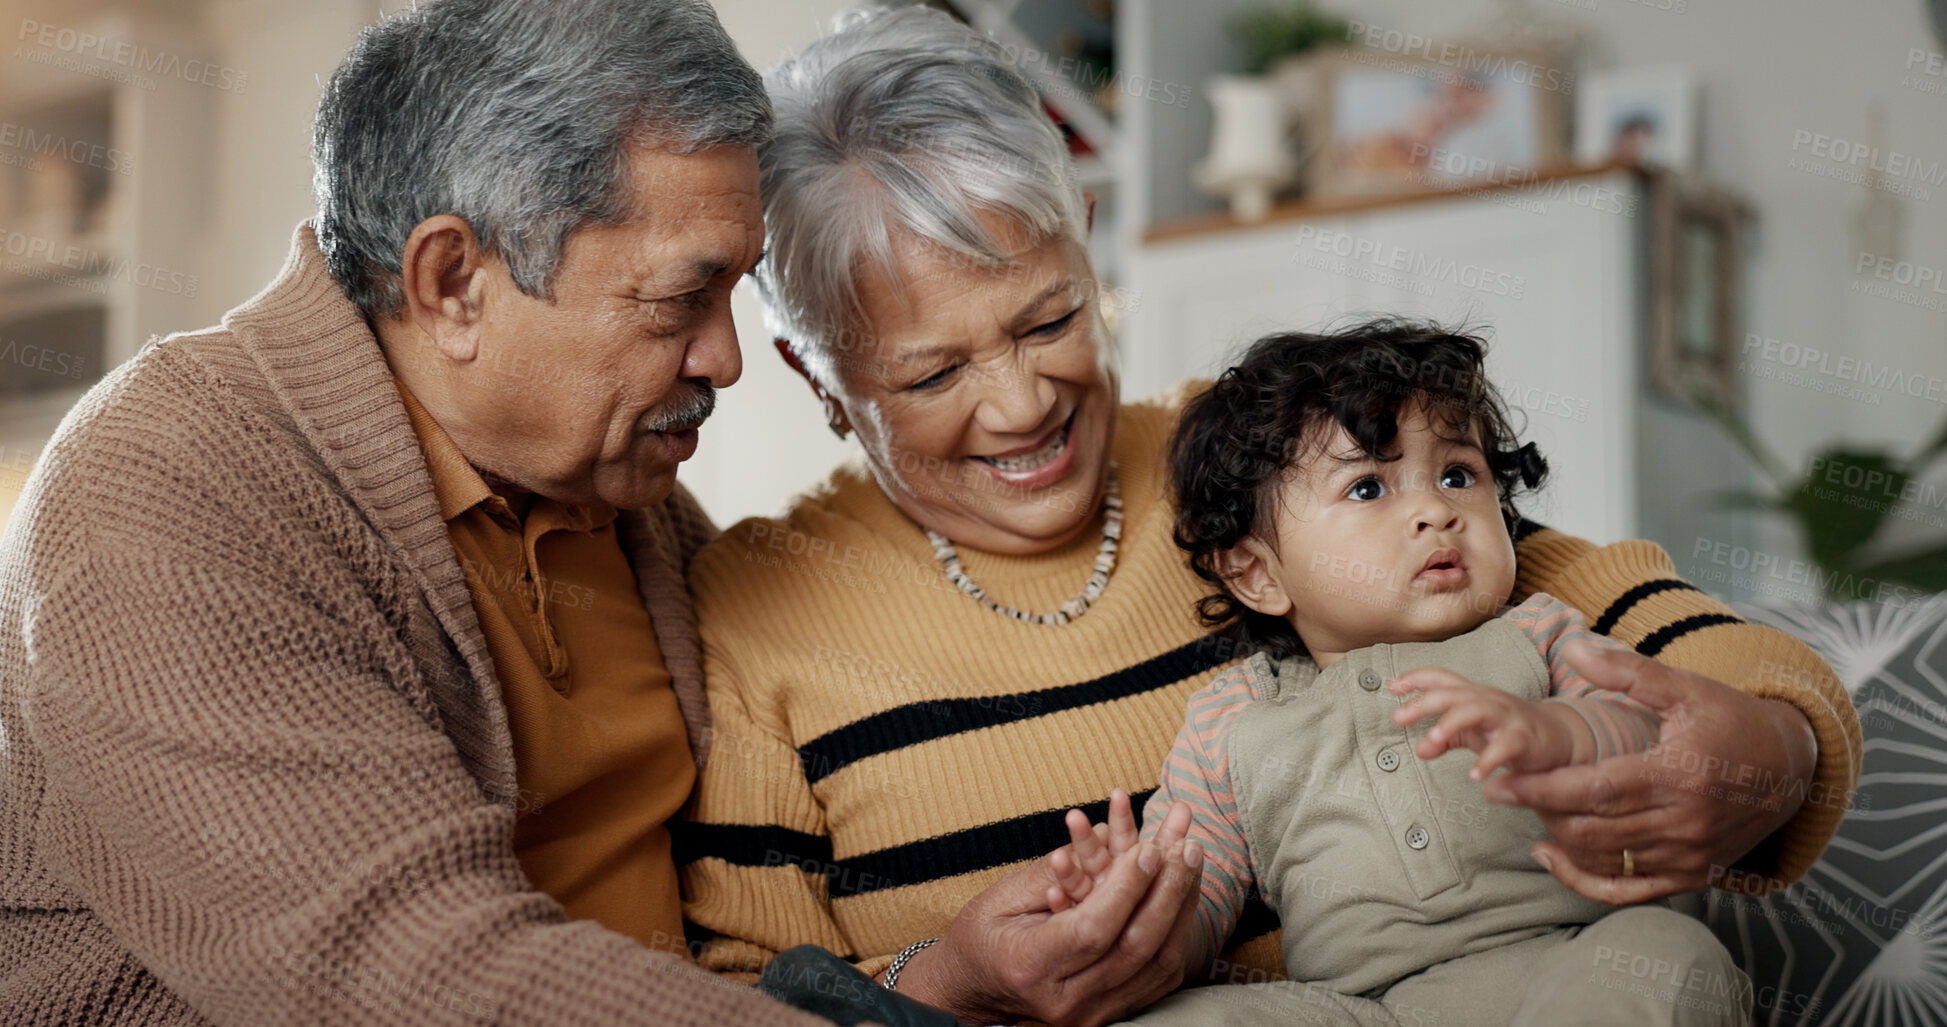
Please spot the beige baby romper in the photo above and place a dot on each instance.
(1408, 899)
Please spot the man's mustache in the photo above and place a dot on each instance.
(685, 411)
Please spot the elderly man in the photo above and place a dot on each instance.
(347, 673)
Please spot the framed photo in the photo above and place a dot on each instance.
(1388, 123)
(1696, 297)
(1646, 117)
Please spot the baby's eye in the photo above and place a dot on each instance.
(1457, 477)
(1365, 490)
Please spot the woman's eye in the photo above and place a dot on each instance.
(932, 381)
(1457, 477)
(1365, 490)
(1057, 324)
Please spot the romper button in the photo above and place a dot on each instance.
(1388, 760)
(1416, 837)
(1369, 680)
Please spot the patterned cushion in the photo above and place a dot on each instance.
(1862, 939)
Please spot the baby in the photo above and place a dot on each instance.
(1349, 495)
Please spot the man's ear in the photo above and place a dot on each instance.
(1249, 570)
(835, 415)
(444, 277)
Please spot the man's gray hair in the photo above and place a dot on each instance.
(517, 116)
(899, 122)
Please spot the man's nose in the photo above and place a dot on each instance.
(713, 354)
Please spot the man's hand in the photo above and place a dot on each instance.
(1009, 956)
(1728, 770)
(1505, 730)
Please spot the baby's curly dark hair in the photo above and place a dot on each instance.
(1274, 409)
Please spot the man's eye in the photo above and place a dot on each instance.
(1457, 477)
(1365, 490)
(932, 381)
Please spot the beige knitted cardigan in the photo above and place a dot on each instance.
(254, 764)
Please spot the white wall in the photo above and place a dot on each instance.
(768, 440)
(1771, 69)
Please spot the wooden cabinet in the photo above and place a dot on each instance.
(1550, 272)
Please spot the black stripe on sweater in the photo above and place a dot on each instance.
(1663, 636)
(1000, 843)
(917, 723)
(746, 845)
(1254, 921)
(1628, 600)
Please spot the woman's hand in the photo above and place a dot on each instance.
(1728, 770)
(1009, 956)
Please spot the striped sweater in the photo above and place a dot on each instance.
(1197, 771)
(885, 748)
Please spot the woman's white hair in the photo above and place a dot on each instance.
(899, 122)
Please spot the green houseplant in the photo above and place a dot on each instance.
(1840, 504)
(1284, 30)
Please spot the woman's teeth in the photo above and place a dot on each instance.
(1030, 461)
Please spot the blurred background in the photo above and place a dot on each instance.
(1707, 239)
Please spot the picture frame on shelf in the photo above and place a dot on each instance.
(1645, 117)
(1697, 234)
(1394, 124)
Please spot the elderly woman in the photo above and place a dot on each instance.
(919, 669)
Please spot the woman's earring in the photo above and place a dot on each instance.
(832, 418)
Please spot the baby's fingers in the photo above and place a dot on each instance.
(1454, 730)
(1086, 840)
(1071, 884)
(1503, 749)
(1123, 833)
(1176, 824)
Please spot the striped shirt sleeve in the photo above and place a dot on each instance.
(1197, 774)
(1621, 724)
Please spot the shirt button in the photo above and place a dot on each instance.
(1369, 680)
(1388, 760)
(1416, 837)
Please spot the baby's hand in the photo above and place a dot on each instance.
(1504, 730)
(1092, 849)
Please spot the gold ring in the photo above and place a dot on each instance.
(1629, 863)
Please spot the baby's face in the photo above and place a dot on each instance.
(1406, 550)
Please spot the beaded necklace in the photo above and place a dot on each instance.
(949, 558)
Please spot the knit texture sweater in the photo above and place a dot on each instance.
(886, 748)
(254, 761)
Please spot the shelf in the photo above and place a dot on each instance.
(1302, 210)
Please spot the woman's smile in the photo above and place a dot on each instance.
(1034, 467)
